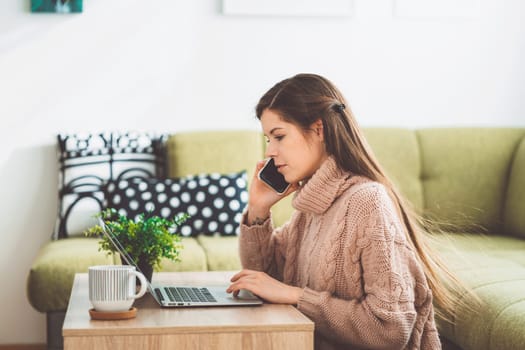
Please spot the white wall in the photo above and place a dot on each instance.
(181, 65)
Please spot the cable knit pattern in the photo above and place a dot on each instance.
(346, 247)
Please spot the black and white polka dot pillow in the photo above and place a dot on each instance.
(214, 201)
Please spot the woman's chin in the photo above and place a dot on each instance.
(290, 179)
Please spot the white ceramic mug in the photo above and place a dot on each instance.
(112, 287)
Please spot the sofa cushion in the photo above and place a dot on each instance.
(86, 161)
(53, 270)
(465, 175)
(51, 276)
(494, 267)
(214, 151)
(514, 210)
(222, 252)
(214, 201)
(192, 258)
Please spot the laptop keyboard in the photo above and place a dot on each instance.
(187, 294)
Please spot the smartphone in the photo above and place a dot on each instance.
(270, 176)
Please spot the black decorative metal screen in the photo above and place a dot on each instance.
(88, 161)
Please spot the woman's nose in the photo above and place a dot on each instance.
(270, 151)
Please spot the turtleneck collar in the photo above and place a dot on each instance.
(323, 188)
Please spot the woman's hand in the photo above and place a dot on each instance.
(265, 287)
(262, 197)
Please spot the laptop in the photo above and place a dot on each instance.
(186, 296)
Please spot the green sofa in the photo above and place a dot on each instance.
(470, 182)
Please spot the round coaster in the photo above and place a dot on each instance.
(110, 315)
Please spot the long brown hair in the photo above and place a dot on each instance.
(306, 98)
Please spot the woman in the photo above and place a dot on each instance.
(351, 257)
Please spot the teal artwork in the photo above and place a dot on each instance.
(56, 6)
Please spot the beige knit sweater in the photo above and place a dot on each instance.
(344, 244)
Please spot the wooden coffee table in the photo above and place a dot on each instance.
(250, 327)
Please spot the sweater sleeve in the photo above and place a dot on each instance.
(261, 247)
(385, 316)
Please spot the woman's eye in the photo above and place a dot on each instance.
(279, 138)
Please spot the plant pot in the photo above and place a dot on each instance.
(142, 266)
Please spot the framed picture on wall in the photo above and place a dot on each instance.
(56, 6)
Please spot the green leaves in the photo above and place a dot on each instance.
(149, 237)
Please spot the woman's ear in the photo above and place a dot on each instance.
(318, 128)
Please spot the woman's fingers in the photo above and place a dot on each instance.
(242, 273)
(264, 286)
(258, 167)
(260, 164)
(245, 279)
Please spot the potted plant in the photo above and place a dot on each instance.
(146, 240)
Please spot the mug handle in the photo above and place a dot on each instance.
(143, 284)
